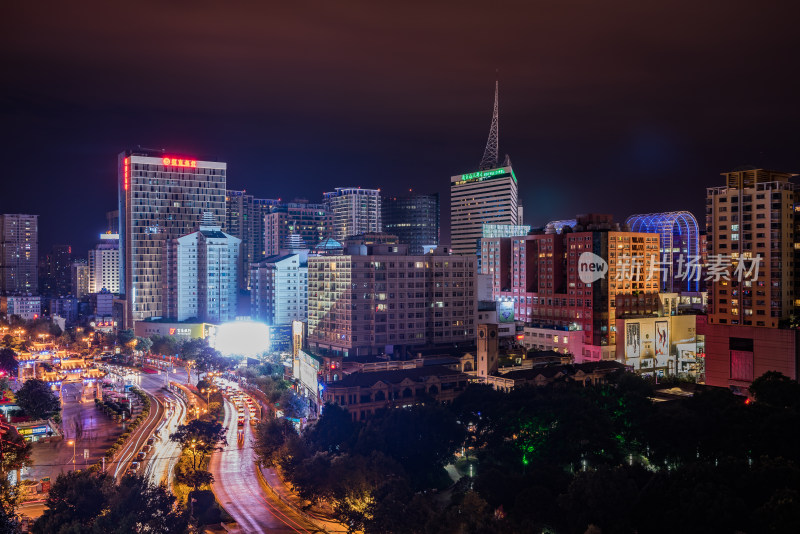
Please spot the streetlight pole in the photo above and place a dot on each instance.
(72, 442)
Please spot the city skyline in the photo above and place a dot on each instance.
(640, 109)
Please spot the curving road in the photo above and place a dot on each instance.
(162, 457)
(237, 487)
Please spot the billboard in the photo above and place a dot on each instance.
(633, 340)
(505, 311)
(306, 368)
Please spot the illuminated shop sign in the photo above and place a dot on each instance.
(125, 173)
(176, 162)
(483, 175)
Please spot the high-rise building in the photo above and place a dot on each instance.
(80, 278)
(161, 197)
(112, 222)
(19, 253)
(244, 219)
(680, 244)
(750, 225)
(279, 289)
(299, 218)
(414, 219)
(536, 279)
(488, 196)
(478, 198)
(200, 275)
(377, 298)
(352, 211)
(104, 265)
(55, 272)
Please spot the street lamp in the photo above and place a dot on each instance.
(72, 442)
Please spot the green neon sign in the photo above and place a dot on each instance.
(483, 175)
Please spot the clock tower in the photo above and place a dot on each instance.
(487, 350)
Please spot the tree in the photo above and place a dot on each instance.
(37, 399)
(776, 389)
(200, 438)
(8, 362)
(125, 336)
(272, 435)
(195, 478)
(88, 502)
(143, 344)
(334, 431)
(165, 345)
(9, 497)
(64, 340)
(16, 452)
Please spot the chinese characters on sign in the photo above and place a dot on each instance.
(719, 267)
(176, 162)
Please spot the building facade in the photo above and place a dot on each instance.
(378, 298)
(478, 198)
(244, 219)
(80, 278)
(279, 289)
(28, 307)
(286, 223)
(540, 275)
(750, 230)
(414, 219)
(104, 265)
(680, 244)
(200, 277)
(353, 211)
(161, 197)
(19, 253)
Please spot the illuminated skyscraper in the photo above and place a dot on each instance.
(299, 218)
(353, 211)
(414, 219)
(161, 197)
(19, 253)
(104, 265)
(488, 196)
(478, 198)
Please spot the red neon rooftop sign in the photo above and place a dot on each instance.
(176, 162)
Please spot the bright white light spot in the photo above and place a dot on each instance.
(242, 338)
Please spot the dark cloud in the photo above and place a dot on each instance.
(616, 107)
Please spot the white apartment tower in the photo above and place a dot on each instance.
(353, 211)
(201, 276)
(279, 289)
(104, 265)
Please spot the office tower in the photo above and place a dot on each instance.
(244, 219)
(279, 289)
(488, 196)
(104, 265)
(414, 219)
(200, 278)
(400, 301)
(299, 218)
(55, 272)
(19, 253)
(680, 243)
(752, 216)
(352, 211)
(161, 197)
(539, 277)
(80, 278)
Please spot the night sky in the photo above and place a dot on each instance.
(614, 107)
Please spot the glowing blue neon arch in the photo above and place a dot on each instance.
(673, 228)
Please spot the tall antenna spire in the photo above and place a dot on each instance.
(490, 157)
